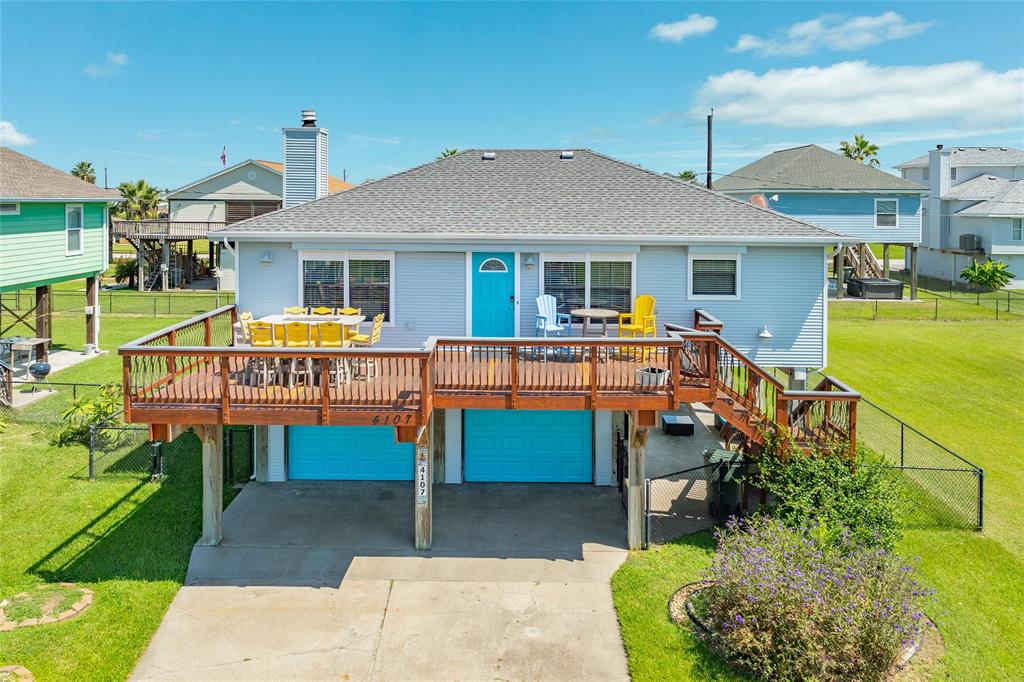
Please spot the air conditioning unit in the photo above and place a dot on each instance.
(970, 242)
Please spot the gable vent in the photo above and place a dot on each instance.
(567, 155)
(489, 156)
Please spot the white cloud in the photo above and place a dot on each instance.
(833, 32)
(677, 31)
(858, 93)
(234, 121)
(114, 62)
(9, 134)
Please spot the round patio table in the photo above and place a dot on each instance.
(588, 314)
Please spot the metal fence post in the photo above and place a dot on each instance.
(92, 448)
(981, 499)
(936, 308)
(647, 513)
(901, 442)
(154, 306)
(161, 456)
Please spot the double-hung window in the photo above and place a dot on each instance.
(589, 281)
(349, 279)
(886, 211)
(714, 276)
(1016, 229)
(74, 218)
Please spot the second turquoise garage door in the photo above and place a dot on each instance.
(347, 453)
(538, 446)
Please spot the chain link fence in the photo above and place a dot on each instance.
(678, 504)
(44, 402)
(123, 301)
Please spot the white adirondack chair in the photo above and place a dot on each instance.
(549, 320)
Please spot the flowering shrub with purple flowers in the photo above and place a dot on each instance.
(786, 605)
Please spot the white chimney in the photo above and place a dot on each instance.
(938, 172)
(305, 161)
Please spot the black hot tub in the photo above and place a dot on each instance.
(874, 287)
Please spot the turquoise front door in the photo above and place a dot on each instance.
(538, 446)
(494, 294)
(347, 453)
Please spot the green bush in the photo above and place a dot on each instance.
(787, 606)
(828, 492)
(86, 412)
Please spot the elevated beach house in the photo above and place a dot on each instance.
(974, 211)
(53, 228)
(839, 194)
(455, 367)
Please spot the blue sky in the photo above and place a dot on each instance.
(155, 90)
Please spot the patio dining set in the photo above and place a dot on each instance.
(308, 327)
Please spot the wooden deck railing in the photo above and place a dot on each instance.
(163, 229)
(189, 373)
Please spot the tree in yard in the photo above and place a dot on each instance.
(126, 269)
(860, 150)
(448, 152)
(687, 175)
(83, 170)
(992, 274)
(139, 201)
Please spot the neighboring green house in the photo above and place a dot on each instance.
(53, 228)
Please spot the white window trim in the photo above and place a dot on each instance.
(888, 227)
(589, 258)
(81, 229)
(1021, 237)
(690, 257)
(16, 211)
(345, 257)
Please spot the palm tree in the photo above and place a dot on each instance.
(861, 150)
(83, 170)
(448, 152)
(139, 201)
(687, 175)
(126, 269)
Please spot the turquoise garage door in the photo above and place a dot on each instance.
(541, 446)
(348, 453)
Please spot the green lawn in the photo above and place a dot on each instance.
(896, 251)
(959, 382)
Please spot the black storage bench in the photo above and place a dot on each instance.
(875, 287)
(676, 425)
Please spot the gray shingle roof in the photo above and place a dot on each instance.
(975, 189)
(975, 156)
(811, 167)
(532, 193)
(1007, 200)
(22, 177)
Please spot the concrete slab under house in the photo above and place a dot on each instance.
(424, 332)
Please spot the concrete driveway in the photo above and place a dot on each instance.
(318, 581)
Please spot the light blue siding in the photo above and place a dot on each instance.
(348, 453)
(430, 298)
(852, 214)
(266, 288)
(541, 446)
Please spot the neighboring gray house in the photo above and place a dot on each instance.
(464, 245)
(840, 194)
(975, 208)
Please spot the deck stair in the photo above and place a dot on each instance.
(872, 268)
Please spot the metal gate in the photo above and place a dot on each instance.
(677, 504)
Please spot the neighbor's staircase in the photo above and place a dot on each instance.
(872, 268)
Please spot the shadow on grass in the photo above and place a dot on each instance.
(146, 534)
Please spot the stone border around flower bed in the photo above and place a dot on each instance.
(20, 673)
(919, 654)
(75, 609)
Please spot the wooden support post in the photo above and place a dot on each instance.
(188, 261)
(912, 252)
(165, 267)
(140, 262)
(885, 261)
(861, 259)
(92, 319)
(212, 438)
(424, 482)
(261, 436)
(636, 483)
(43, 313)
(838, 263)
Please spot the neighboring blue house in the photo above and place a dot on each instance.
(839, 194)
(464, 245)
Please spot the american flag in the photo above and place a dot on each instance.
(224, 155)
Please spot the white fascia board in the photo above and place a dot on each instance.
(219, 173)
(55, 200)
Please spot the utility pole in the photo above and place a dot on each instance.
(711, 117)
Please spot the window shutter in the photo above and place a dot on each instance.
(370, 287)
(323, 283)
(714, 277)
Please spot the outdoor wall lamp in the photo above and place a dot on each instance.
(530, 262)
(763, 333)
(266, 259)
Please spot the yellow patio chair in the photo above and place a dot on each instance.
(349, 311)
(243, 324)
(297, 335)
(261, 335)
(368, 340)
(331, 336)
(321, 310)
(279, 333)
(641, 323)
(295, 310)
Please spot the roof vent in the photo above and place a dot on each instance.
(308, 118)
(1003, 149)
(961, 149)
(489, 156)
(991, 177)
(938, 146)
(567, 155)
(983, 149)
